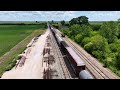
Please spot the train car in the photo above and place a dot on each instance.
(53, 31)
(62, 34)
(49, 27)
(75, 61)
(84, 74)
(59, 39)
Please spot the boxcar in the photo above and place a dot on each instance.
(75, 61)
(59, 39)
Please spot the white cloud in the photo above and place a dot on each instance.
(37, 15)
(57, 15)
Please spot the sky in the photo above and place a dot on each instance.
(58, 15)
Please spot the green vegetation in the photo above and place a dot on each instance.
(63, 22)
(22, 23)
(13, 40)
(79, 20)
(10, 35)
(101, 40)
(96, 22)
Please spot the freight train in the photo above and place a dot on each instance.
(76, 62)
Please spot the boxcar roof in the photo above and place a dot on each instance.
(75, 57)
(60, 39)
(64, 44)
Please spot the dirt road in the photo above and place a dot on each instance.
(32, 68)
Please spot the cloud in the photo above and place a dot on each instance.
(37, 15)
(104, 15)
(57, 15)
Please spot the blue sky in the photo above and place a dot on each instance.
(58, 15)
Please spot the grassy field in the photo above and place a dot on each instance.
(96, 22)
(10, 35)
(13, 40)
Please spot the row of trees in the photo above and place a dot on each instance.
(101, 41)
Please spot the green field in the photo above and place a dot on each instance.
(10, 35)
(13, 39)
(96, 22)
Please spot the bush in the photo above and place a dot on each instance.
(11, 65)
(78, 38)
(85, 41)
(88, 46)
(98, 54)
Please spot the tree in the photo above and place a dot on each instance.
(115, 49)
(78, 38)
(63, 22)
(95, 27)
(118, 30)
(65, 31)
(79, 32)
(73, 21)
(52, 22)
(119, 20)
(83, 20)
(85, 41)
(75, 29)
(97, 46)
(55, 25)
(117, 61)
(80, 20)
(86, 30)
(109, 30)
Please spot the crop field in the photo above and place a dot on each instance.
(13, 39)
(10, 35)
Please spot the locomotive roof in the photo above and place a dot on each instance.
(75, 57)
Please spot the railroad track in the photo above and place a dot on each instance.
(95, 68)
(66, 73)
